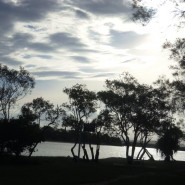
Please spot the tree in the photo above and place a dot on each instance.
(18, 136)
(39, 108)
(144, 13)
(152, 109)
(102, 125)
(135, 108)
(119, 100)
(170, 132)
(41, 111)
(169, 140)
(177, 86)
(14, 85)
(177, 53)
(82, 104)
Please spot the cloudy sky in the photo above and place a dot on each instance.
(63, 42)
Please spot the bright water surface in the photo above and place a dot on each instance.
(64, 149)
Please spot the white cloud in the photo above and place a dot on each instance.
(81, 40)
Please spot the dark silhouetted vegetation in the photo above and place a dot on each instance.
(82, 104)
(40, 110)
(127, 107)
(62, 135)
(169, 141)
(126, 113)
(18, 136)
(135, 108)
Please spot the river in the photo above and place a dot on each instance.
(64, 149)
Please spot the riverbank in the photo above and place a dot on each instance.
(63, 170)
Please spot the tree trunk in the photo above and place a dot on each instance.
(92, 152)
(127, 150)
(97, 147)
(85, 157)
(143, 153)
(143, 149)
(149, 154)
(139, 153)
(97, 153)
(72, 151)
(31, 150)
(134, 145)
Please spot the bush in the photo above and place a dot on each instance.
(18, 136)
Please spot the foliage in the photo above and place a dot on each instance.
(144, 10)
(103, 121)
(40, 110)
(62, 135)
(82, 104)
(169, 140)
(14, 85)
(176, 48)
(177, 53)
(18, 136)
(142, 13)
(132, 112)
(134, 107)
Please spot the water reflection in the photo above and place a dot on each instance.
(63, 149)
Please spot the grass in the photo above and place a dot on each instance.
(61, 170)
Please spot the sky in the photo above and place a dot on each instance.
(64, 42)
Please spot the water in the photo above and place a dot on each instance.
(64, 149)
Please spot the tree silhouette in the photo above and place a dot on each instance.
(169, 141)
(102, 126)
(82, 104)
(39, 111)
(39, 107)
(135, 108)
(18, 136)
(14, 85)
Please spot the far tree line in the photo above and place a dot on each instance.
(127, 111)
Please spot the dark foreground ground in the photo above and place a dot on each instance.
(64, 171)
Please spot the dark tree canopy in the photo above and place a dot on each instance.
(134, 108)
(82, 104)
(41, 111)
(38, 109)
(18, 136)
(169, 141)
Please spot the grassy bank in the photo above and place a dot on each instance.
(61, 170)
